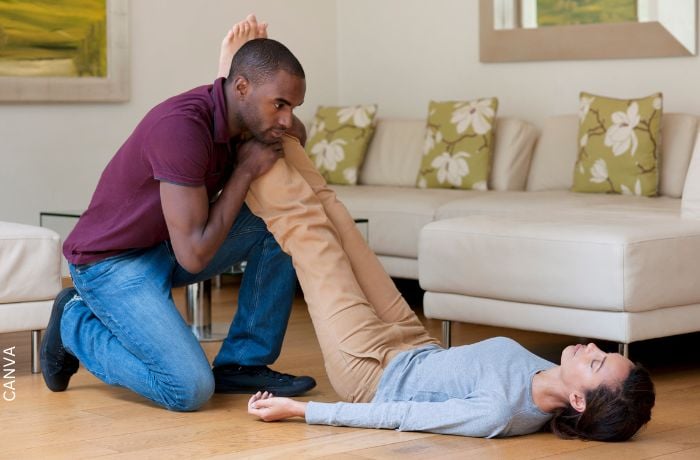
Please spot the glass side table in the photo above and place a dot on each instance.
(363, 226)
(197, 295)
(62, 222)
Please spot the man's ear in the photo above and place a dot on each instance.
(577, 401)
(241, 86)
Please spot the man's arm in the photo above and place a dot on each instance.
(198, 230)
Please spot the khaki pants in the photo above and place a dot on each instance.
(360, 318)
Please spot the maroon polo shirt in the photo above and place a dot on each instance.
(184, 140)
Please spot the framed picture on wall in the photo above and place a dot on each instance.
(64, 50)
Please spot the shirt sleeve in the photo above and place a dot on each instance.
(484, 415)
(179, 149)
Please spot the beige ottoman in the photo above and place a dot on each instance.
(614, 276)
(30, 278)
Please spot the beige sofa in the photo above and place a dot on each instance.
(531, 254)
(397, 210)
(30, 278)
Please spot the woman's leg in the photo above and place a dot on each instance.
(376, 284)
(240, 33)
(373, 279)
(356, 344)
(379, 288)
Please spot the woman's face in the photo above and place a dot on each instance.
(585, 367)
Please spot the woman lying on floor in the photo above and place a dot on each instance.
(380, 358)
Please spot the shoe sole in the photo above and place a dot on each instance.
(54, 319)
(282, 391)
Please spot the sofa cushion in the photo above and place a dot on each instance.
(613, 262)
(691, 191)
(30, 263)
(458, 144)
(559, 201)
(395, 152)
(678, 131)
(555, 155)
(619, 145)
(338, 141)
(395, 214)
(557, 149)
(513, 144)
(394, 155)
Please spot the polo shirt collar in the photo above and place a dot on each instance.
(221, 132)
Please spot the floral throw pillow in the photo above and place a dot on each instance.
(458, 144)
(619, 141)
(338, 140)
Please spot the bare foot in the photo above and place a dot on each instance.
(239, 34)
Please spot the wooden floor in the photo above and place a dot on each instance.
(93, 420)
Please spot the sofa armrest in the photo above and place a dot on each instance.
(690, 203)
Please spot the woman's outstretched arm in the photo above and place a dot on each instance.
(483, 414)
(271, 409)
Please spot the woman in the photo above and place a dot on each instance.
(380, 358)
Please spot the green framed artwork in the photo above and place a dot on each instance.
(64, 50)
(570, 12)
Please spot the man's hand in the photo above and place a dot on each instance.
(271, 409)
(255, 158)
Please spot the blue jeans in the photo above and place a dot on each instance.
(126, 330)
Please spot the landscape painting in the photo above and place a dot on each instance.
(569, 12)
(53, 38)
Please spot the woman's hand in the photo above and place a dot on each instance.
(270, 409)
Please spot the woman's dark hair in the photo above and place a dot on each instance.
(611, 414)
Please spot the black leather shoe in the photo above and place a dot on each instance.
(57, 365)
(250, 379)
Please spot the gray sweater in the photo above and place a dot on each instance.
(480, 390)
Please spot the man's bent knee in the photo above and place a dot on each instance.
(190, 392)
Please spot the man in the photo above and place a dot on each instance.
(155, 222)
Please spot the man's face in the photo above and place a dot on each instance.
(266, 108)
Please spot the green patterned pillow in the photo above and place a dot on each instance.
(458, 144)
(338, 141)
(619, 142)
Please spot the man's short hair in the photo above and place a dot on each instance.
(260, 59)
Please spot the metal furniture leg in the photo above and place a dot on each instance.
(624, 349)
(447, 333)
(36, 343)
(198, 301)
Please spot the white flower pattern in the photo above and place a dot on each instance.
(360, 114)
(621, 136)
(451, 168)
(350, 175)
(599, 171)
(316, 127)
(481, 185)
(329, 154)
(429, 142)
(584, 140)
(637, 189)
(584, 105)
(475, 114)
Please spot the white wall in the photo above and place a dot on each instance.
(397, 53)
(51, 155)
(403, 53)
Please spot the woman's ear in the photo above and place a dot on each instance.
(577, 401)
